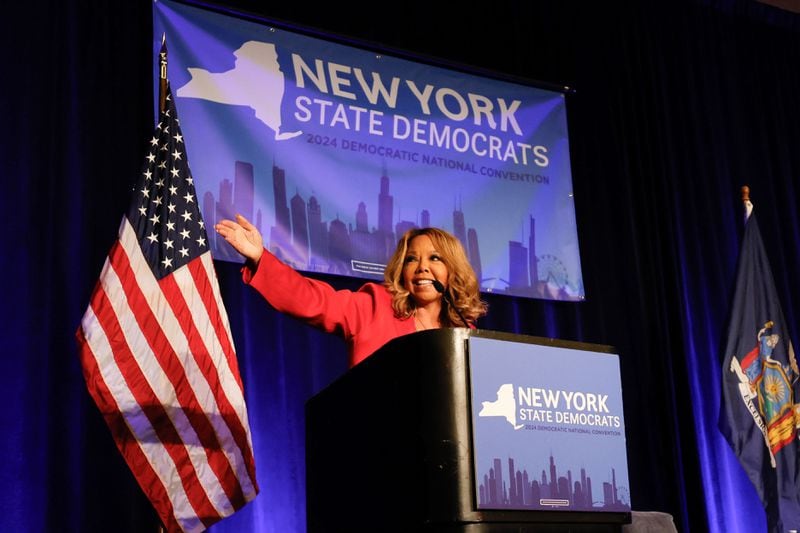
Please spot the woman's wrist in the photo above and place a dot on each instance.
(252, 260)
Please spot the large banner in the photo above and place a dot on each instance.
(548, 428)
(334, 151)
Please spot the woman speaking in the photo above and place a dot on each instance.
(428, 283)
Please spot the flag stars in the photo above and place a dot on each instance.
(171, 228)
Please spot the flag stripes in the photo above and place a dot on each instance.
(146, 324)
(128, 444)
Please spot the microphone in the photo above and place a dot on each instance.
(446, 294)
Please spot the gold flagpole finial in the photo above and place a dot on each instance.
(748, 205)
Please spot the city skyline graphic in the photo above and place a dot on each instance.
(548, 491)
(355, 246)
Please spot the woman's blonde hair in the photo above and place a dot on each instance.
(462, 284)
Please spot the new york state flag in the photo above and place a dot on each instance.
(758, 413)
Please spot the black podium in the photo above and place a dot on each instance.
(389, 447)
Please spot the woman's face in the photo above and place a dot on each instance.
(422, 264)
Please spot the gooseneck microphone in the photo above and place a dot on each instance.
(446, 294)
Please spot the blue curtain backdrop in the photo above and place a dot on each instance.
(677, 105)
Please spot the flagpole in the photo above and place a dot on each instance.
(162, 103)
(162, 100)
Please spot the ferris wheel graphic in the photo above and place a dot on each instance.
(623, 496)
(552, 271)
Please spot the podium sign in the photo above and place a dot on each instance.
(547, 427)
(427, 434)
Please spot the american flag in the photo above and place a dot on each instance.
(157, 351)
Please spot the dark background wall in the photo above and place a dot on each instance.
(676, 105)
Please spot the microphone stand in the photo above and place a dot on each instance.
(446, 294)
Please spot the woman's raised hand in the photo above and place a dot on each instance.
(243, 236)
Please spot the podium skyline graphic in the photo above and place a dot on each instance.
(554, 492)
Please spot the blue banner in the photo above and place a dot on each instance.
(333, 151)
(548, 428)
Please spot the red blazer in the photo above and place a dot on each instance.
(364, 318)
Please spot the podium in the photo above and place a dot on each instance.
(458, 430)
